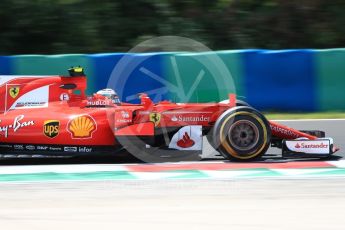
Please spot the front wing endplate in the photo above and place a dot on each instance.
(299, 148)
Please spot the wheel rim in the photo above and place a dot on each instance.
(243, 135)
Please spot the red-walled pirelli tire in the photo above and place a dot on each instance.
(242, 134)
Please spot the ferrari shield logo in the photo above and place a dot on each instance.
(14, 91)
(155, 118)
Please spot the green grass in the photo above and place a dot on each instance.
(317, 115)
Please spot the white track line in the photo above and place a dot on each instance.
(303, 120)
(88, 168)
(27, 169)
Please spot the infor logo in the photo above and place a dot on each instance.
(51, 128)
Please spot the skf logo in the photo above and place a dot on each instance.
(155, 118)
(51, 128)
(14, 91)
(82, 126)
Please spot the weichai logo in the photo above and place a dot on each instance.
(51, 128)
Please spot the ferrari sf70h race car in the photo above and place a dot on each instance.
(52, 116)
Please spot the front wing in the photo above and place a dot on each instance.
(302, 147)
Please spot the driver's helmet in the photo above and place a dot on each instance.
(110, 94)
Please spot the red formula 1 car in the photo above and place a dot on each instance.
(52, 116)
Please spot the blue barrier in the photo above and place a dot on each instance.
(103, 65)
(6, 67)
(280, 80)
(131, 74)
(200, 77)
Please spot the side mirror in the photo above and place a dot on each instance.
(145, 100)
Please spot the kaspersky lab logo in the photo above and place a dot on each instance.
(51, 128)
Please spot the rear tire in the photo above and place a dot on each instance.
(241, 134)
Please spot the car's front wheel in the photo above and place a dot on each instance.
(241, 134)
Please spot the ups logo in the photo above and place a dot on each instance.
(51, 128)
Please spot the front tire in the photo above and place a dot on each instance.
(241, 134)
(209, 135)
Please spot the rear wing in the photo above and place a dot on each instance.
(19, 92)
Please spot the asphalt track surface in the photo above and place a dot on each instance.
(302, 203)
(240, 205)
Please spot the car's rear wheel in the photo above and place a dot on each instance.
(241, 134)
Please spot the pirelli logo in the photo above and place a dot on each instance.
(51, 128)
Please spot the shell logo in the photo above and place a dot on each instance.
(82, 126)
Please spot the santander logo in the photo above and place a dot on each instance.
(174, 118)
(310, 146)
(186, 141)
(190, 118)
